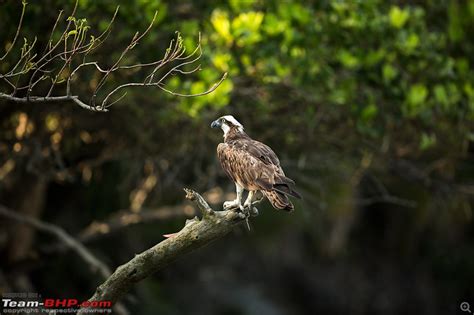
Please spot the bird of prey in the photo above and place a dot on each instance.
(252, 166)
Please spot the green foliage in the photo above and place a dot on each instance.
(376, 62)
(398, 17)
(416, 100)
(391, 49)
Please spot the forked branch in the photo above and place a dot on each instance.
(195, 234)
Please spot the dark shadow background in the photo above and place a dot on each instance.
(369, 105)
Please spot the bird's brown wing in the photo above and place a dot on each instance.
(244, 168)
(258, 150)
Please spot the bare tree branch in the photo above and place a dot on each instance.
(210, 90)
(63, 59)
(195, 234)
(95, 264)
(51, 99)
(88, 257)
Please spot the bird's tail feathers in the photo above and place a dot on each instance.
(286, 180)
(278, 200)
(287, 190)
(285, 185)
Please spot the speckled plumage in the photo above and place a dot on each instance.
(255, 167)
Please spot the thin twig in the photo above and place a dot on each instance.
(210, 90)
(23, 9)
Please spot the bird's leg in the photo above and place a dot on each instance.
(254, 202)
(237, 203)
(248, 201)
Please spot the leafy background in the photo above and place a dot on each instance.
(369, 105)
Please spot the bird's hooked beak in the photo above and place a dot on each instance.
(216, 124)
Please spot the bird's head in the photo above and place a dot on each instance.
(227, 123)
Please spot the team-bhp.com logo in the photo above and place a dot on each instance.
(33, 303)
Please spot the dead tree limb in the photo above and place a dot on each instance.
(195, 234)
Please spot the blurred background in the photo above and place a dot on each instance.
(368, 104)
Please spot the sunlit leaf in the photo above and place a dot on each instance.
(273, 25)
(416, 99)
(245, 27)
(417, 94)
(221, 23)
(398, 16)
(348, 59)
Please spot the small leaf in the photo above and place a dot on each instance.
(417, 94)
(389, 72)
(221, 23)
(348, 60)
(416, 98)
(398, 17)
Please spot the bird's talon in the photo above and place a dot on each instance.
(229, 205)
(241, 215)
(246, 211)
(253, 211)
(235, 209)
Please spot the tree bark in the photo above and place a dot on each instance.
(195, 234)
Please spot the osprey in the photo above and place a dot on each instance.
(252, 166)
